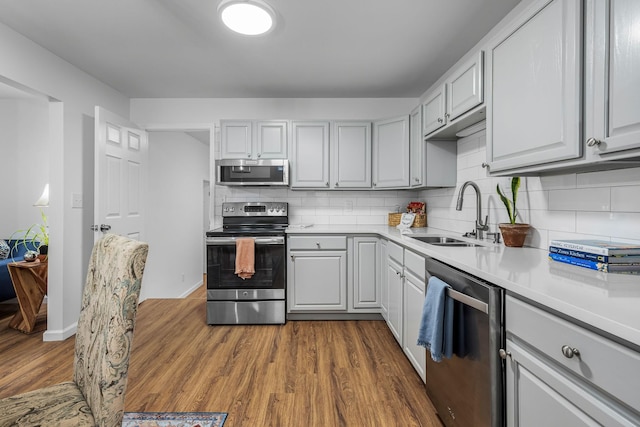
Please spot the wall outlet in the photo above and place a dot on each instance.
(76, 200)
(348, 206)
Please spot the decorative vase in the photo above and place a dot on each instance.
(514, 234)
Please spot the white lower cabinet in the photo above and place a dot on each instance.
(414, 293)
(384, 282)
(394, 314)
(317, 273)
(559, 373)
(406, 291)
(364, 264)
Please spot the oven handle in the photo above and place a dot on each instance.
(223, 241)
(467, 300)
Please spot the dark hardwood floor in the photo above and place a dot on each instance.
(305, 373)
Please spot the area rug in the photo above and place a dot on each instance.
(174, 419)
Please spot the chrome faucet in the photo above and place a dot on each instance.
(480, 227)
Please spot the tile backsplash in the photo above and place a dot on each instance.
(600, 205)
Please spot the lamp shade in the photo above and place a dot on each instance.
(43, 201)
(248, 17)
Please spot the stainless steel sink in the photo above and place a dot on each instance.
(444, 241)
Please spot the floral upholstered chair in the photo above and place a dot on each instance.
(95, 397)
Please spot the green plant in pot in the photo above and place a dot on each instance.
(35, 236)
(513, 233)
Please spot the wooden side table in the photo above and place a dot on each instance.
(30, 283)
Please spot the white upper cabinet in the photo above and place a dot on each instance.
(535, 87)
(236, 139)
(434, 110)
(309, 161)
(447, 109)
(271, 140)
(391, 153)
(464, 88)
(433, 163)
(351, 155)
(416, 149)
(243, 139)
(612, 104)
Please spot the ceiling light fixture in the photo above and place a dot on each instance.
(248, 17)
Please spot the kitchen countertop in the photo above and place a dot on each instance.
(606, 301)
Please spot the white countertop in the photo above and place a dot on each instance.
(607, 301)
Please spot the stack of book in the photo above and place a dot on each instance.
(611, 257)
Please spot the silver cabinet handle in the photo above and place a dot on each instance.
(592, 142)
(293, 258)
(336, 184)
(447, 115)
(440, 120)
(259, 154)
(326, 184)
(416, 179)
(569, 352)
(318, 244)
(249, 155)
(504, 353)
(374, 184)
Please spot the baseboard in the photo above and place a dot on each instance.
(191, 290)
(60, 335)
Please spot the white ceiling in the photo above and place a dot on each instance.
(321, 48)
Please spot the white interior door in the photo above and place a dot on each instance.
(121, 153)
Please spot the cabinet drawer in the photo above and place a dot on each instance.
(602, 362)
(318, 242)
(396, 252)
(415, 263)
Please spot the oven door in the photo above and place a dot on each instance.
(269, 280)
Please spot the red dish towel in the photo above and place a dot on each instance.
(245, 258)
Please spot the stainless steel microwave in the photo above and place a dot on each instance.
(252, 172)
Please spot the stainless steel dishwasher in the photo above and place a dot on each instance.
(468, 389)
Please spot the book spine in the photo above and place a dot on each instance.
(581, 248)
(579, 254)
(593, 265)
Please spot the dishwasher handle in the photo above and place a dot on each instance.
(467, 300)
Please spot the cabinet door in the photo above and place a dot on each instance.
(317, 281)
(534, 100)
(391, 153)
(539, 395)
(434, 111)
(414, 293)
(235, 139)
(351, 155)
(310, 155)
(271, 140)
(384, 280)
(394, 281)
(464, 88)
(366, 286)
(417, 148)
(614, 107)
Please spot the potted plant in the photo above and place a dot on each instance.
(513, 233)
(36, 236)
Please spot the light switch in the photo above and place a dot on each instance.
(76, 200)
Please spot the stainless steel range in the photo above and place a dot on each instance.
(260, 299)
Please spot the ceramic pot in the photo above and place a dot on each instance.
(514, 234)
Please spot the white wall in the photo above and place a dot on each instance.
(70, 167)
(599, 205)
(24, 156)
(178, 166)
